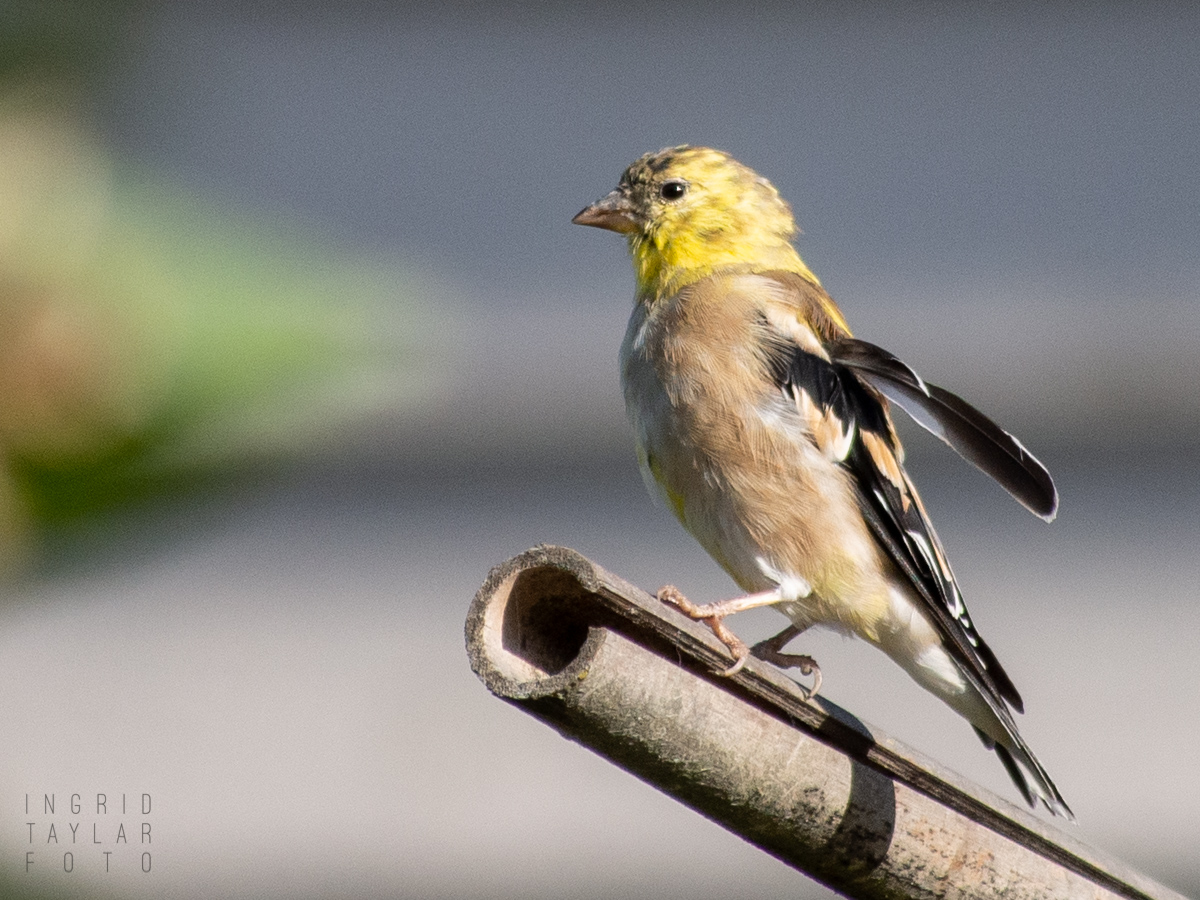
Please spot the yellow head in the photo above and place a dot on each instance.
(691, 211)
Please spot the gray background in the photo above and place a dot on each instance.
(1006, 196)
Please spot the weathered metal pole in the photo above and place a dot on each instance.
(607, 665)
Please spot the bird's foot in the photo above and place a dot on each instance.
(714, 618)
(771, 650)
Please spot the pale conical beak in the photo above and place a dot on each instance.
(613, 211)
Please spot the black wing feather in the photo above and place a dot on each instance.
(964, 428)
(898, 522)
(851, 384)
(900, 532)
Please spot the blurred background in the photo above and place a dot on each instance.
(296, 341)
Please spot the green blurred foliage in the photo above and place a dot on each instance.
(56, 39)
(152, 342)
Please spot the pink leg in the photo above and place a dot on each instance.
(712, 614)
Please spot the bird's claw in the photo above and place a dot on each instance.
(672, 596)
(737, 648)
(770, 651)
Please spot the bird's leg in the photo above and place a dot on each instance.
(771, 650)
(714, 613)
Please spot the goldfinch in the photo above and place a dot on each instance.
(765, 426)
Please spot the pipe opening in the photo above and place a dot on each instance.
(544, 619)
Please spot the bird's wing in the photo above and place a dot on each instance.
(964, 428)
(837, 383)
(848, 420)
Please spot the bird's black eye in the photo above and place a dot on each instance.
(673, 189)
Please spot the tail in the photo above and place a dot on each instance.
(1027, 773)
(980, 693)
(989, 714)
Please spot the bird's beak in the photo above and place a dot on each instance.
(613, 211)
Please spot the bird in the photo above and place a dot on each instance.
(766, 427)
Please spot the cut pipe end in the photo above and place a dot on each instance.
(529, 622)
